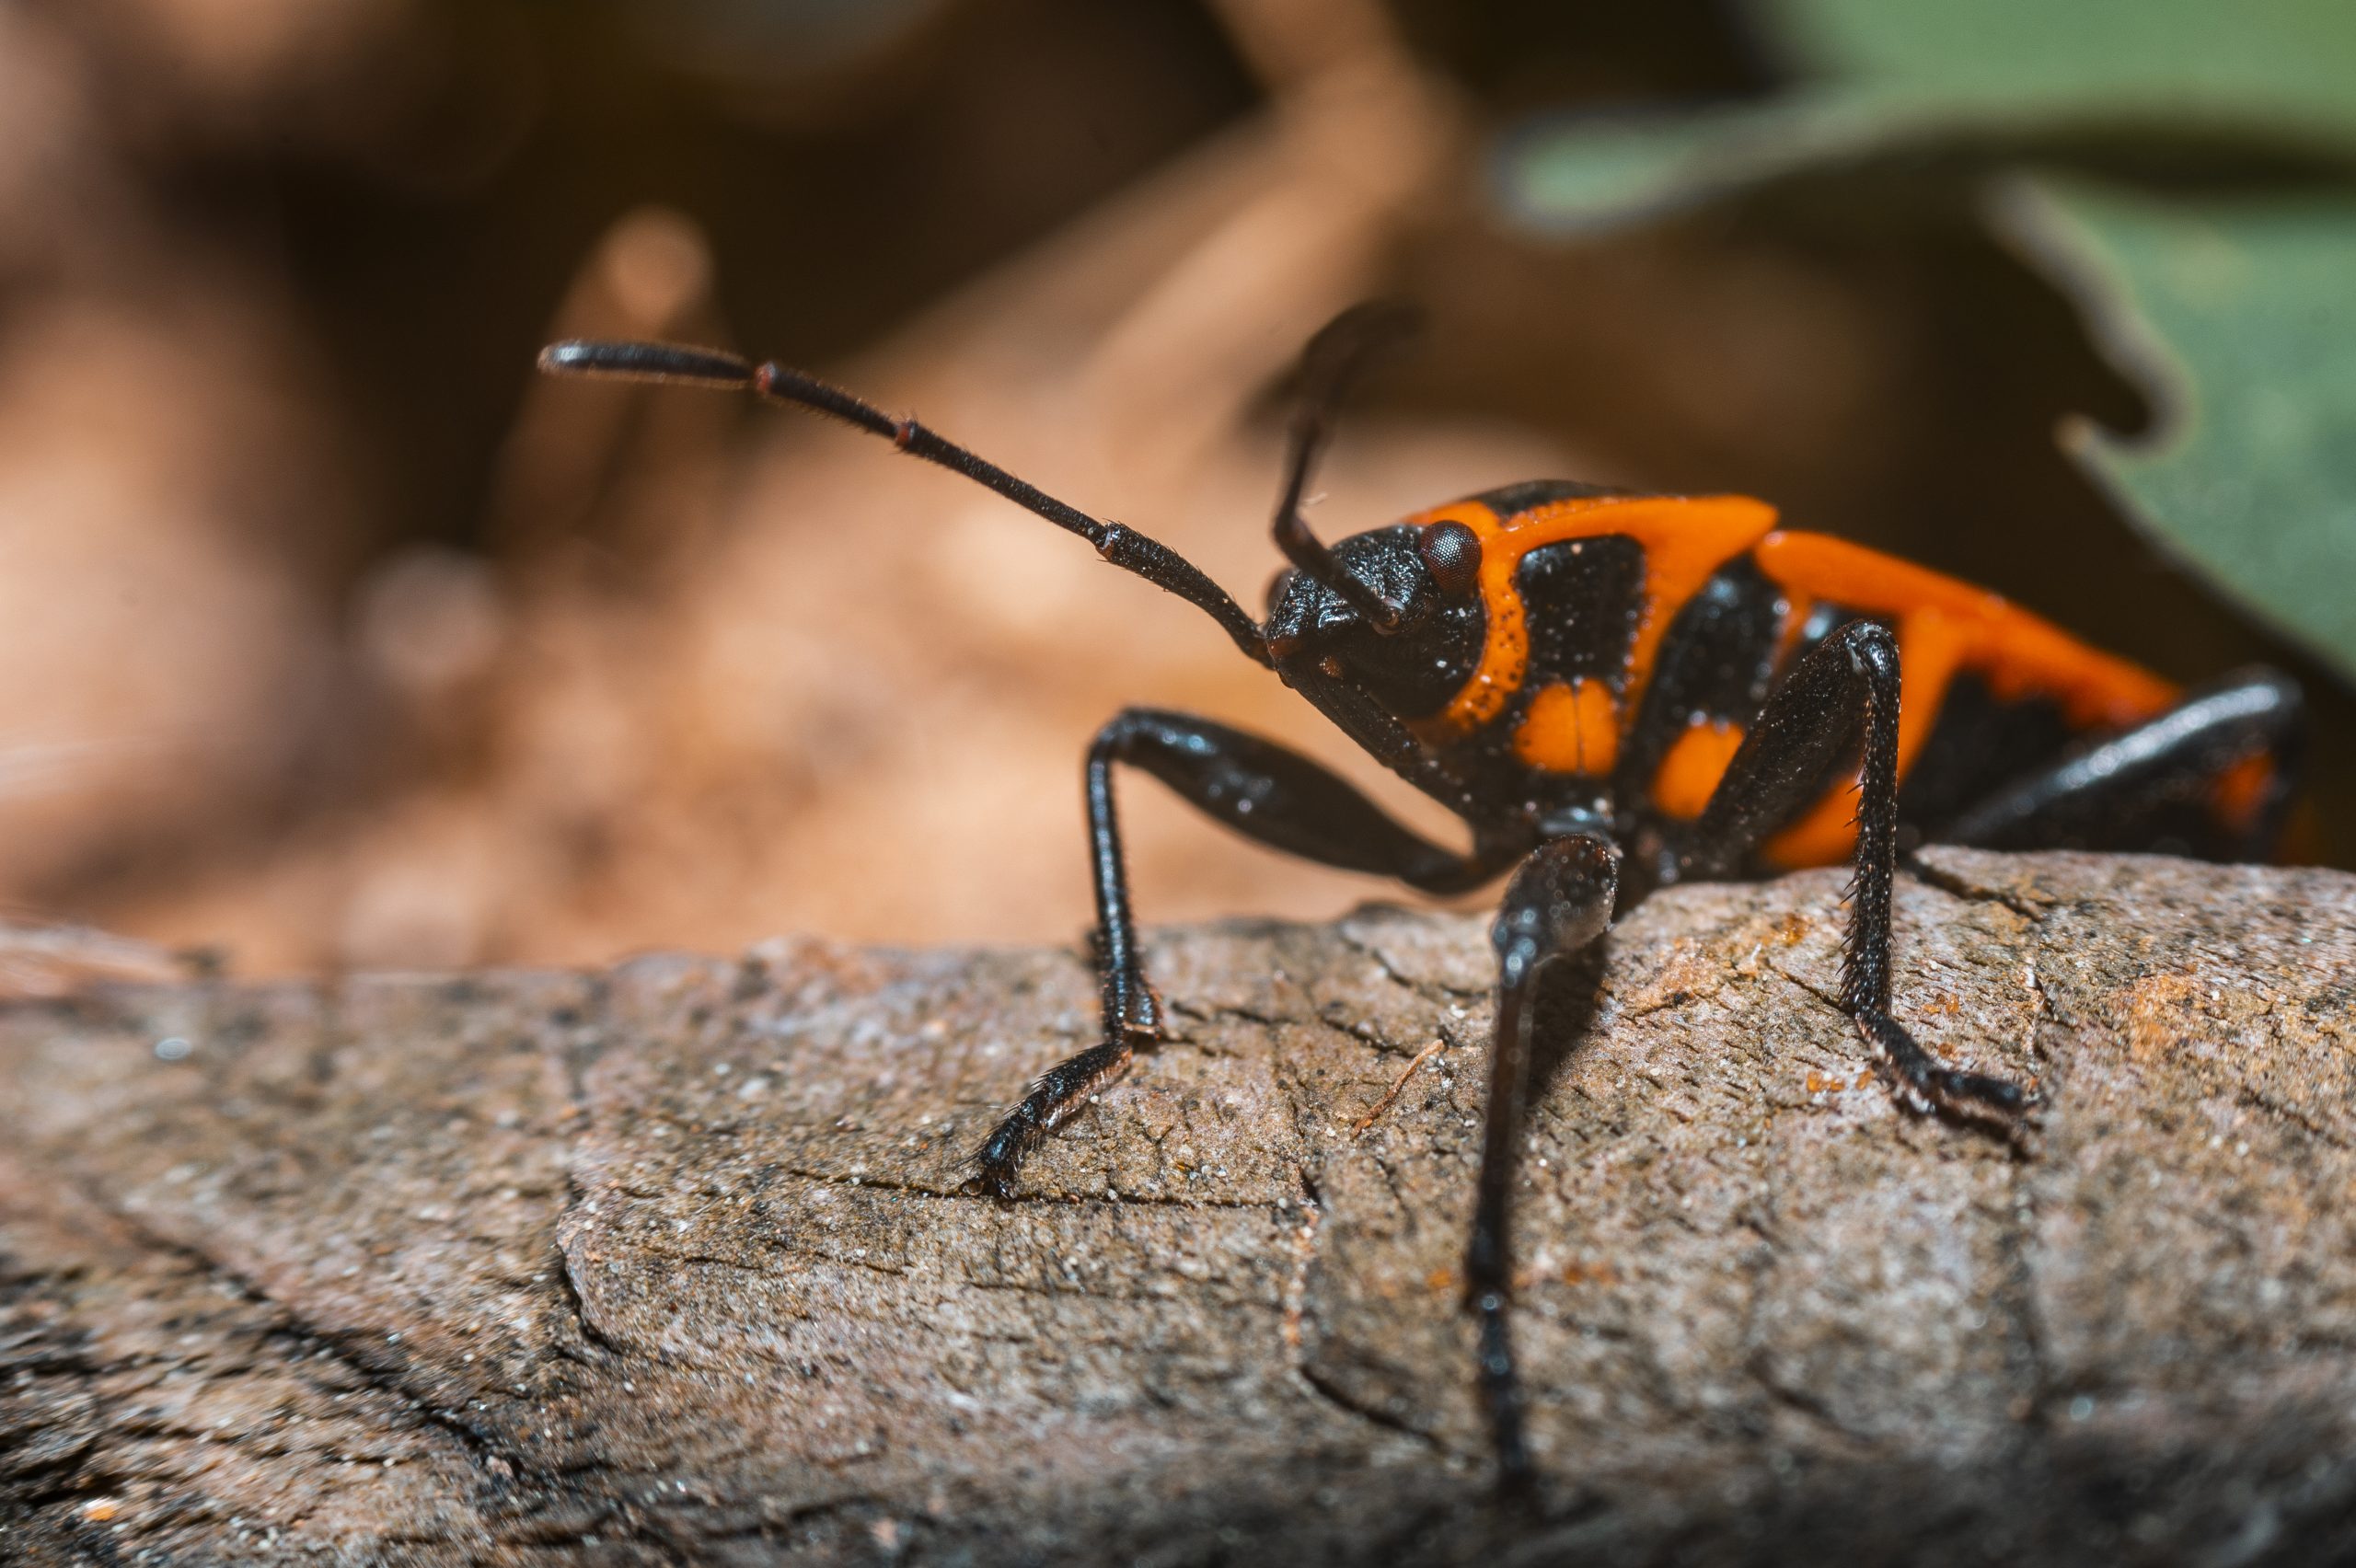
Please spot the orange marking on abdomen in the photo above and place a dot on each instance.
(2240, 791)
(1684, 539)
(1690, 773)
(1944, 627)
(2018, 654)
(1572, 728)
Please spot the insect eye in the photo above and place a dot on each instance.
(1451, 554)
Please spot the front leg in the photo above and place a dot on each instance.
(1262, 790)
(1557, 903)
(1845, 692)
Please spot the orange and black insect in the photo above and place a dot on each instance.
(1616, 692)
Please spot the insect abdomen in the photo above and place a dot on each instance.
(1989, 690)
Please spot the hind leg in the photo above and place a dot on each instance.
(2185, 762)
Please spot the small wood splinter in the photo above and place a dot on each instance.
(1398, 1086)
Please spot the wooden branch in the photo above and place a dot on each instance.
(671, 1265)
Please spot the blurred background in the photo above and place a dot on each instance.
(330, 636)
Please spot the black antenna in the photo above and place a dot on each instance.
(1328, 365)
(1121, 545)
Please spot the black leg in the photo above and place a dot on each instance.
(1843, 693)
(1558, 902)
(2165, 764)
(1262, 790)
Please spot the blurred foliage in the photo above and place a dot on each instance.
(1972, 82)
(2232, 309)
(2243, 314)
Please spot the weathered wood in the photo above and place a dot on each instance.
(671, 1264)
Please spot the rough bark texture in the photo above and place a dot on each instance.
(671, 1264)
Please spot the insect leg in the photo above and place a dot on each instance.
(1262, 790)
(1845, 691)
(1559, 901)
(2094, 798)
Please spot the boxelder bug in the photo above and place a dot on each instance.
(1616, 692)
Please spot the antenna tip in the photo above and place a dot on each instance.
(644, 361)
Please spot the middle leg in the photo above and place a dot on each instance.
(1845, 692)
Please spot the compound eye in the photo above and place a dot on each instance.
(1451, 554)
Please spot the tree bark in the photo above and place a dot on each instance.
(672, 1263)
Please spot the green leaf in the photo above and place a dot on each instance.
(2242, 316)
(2285, 61)
(2004, 77)
(2241, 313)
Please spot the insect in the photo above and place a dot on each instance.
(1615, 692)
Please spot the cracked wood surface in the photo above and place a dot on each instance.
(671, 1264)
